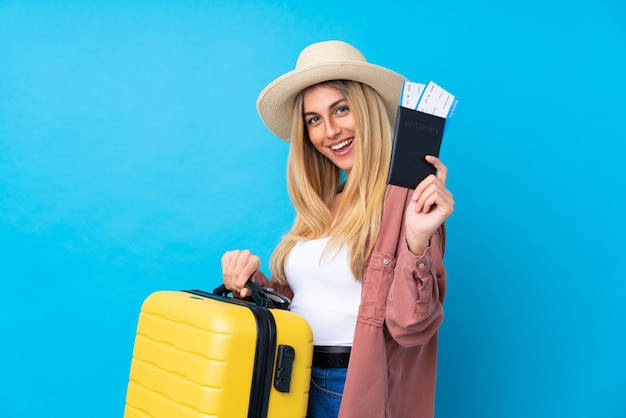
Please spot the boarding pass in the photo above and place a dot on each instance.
(428, 98)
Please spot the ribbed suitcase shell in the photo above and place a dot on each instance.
(194, 357)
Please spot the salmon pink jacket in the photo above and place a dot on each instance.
(393, 364)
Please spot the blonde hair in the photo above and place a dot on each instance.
(313, 181)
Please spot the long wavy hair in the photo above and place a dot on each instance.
(313, 182)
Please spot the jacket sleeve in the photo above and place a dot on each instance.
(414, 309)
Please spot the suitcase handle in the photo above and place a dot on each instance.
(261, 296)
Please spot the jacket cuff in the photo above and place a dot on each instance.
(421, 265)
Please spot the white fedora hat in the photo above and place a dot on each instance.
(324, 61)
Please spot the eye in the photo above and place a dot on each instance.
(342, 110)
(312, 120)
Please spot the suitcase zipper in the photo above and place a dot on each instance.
(263, 362)
(265, 353)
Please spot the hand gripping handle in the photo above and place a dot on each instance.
(261, 296)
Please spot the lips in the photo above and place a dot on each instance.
(341, 145)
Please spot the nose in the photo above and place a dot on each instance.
(332, 128)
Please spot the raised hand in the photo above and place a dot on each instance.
(431, 204)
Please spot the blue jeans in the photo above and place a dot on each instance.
(326, 392)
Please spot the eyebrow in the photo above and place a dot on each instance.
(330, 107)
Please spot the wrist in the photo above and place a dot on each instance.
(417, 245)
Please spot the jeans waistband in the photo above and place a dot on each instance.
(331, 357)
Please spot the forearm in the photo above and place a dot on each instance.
(414, 304)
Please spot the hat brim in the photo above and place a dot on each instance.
(275, 103)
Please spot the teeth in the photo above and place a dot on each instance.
(342, 144)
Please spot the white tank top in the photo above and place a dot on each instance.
(325, 291)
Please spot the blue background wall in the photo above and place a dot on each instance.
(132, 157)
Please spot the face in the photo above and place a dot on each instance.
(330, 124)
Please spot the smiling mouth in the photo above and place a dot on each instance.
(341, 145)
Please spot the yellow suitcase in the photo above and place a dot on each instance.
(199, 354)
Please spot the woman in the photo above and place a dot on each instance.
(363, 262)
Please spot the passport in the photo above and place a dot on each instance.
(416, 135)
(420, 121)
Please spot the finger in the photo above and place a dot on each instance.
(439, 178)
(247, 264)
(442, 170)
(425, 202)
(423, 189)
(435, 193)
(237, 267)
(431, 201)
(227, 262)
(422, 186)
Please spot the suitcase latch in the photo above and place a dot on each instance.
(284, 365)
